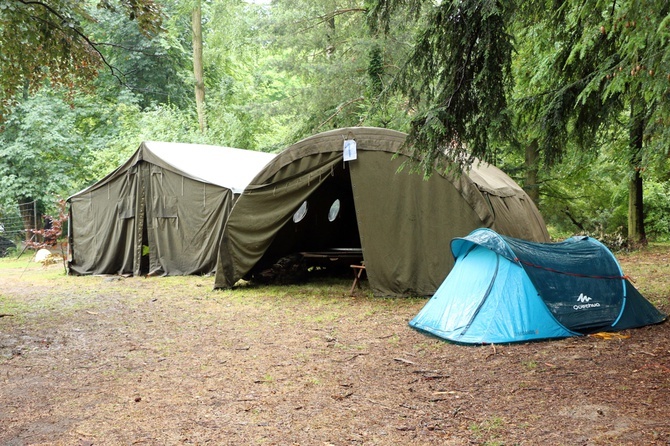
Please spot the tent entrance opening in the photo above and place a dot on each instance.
(321, 237)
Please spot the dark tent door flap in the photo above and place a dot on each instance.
(579, 281)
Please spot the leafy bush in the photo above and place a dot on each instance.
(657, 210)
(586, 195)
(49, 236)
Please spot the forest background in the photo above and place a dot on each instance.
(570, 98)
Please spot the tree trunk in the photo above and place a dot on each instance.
(531, 186)
(330, 47)
(636, 232)
(197, 65)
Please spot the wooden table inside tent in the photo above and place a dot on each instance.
(334, 256)
(339, 256)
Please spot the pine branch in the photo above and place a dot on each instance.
(330, 16)
(339, 109)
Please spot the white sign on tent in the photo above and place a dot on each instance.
(350, 149)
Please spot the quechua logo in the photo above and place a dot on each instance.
(585, 302)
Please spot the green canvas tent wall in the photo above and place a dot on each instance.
(504, 290)
(402, 223)
(161, 212)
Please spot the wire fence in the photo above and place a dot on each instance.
(16, 223)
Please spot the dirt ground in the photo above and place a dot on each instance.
(168, 361)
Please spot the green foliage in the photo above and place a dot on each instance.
(587, 79)
(458, 79)
(376, 71)
(330, 70)
(586, 196)
(598, 62)
(233, 69)
(154, 68)
(657, 210)
(46, 40)
(41, 150)
(51, 146)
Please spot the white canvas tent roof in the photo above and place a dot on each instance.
(224, 166)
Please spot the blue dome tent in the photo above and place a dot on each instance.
(503, 290)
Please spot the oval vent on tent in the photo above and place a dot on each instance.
(300, 213)
(334, 210)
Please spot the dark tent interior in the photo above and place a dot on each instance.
(320, 237)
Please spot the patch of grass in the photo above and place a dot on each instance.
(13, 308)
(529, 365)
(430, 345)
(267, 379)
(303, 357)
(394, 340)
(488, 430)
(649, 269)
(12, 257)
(322, 318)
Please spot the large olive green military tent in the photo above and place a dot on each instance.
(309, 200)
(161, 212)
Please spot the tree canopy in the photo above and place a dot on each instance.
(46, 40)
(457, 78)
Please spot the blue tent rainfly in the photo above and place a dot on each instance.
(505, 290)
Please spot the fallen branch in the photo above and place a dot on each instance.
(404, 361)
(356, 355)
(449, 392)
(341, 397)
(647, 353)
(429, 377)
